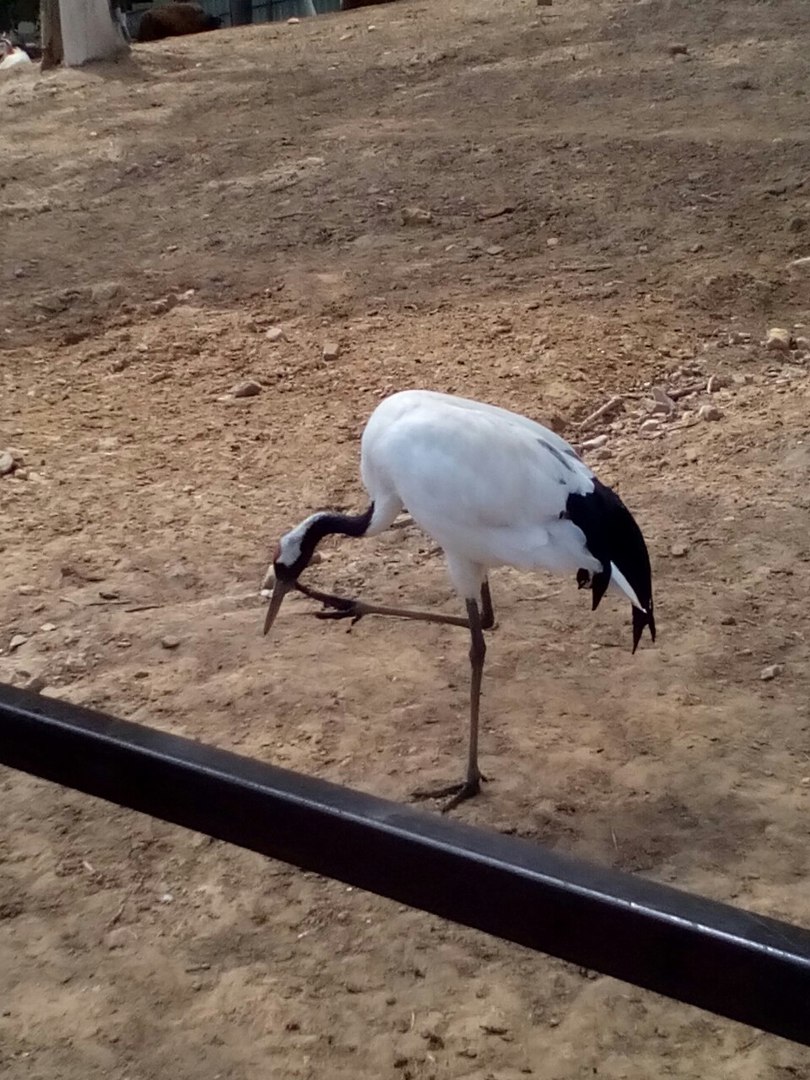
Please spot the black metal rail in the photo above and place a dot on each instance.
(731, 962)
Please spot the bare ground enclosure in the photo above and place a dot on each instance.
(539, 206)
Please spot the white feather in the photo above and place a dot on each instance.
(488, 485)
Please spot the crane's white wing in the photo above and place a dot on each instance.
(485, 483)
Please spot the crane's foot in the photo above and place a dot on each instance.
(336, 607)
(467, 789)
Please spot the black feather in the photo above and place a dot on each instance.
(613, 536)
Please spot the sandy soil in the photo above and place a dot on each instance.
(609, 196)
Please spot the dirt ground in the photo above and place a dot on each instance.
(538, 206)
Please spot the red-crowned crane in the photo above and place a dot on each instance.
(492, 488)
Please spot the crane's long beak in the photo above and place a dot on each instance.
(280, 590)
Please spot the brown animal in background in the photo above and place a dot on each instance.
(174, 20)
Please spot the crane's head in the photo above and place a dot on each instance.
(292, 555)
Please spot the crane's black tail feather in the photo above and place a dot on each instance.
(613, 537)
(640, 620)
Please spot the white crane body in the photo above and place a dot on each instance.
(492, 488)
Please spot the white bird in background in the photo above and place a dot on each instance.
(492, 488)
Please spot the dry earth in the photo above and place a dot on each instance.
(610, 194)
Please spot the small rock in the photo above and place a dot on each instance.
(331, 350)
(48, 627)
(553, 241)
(770, 672)
(6, 462)
(248, 388)
(494, 249)
(709, 412)
(293, 21)
(415, 215)
(166, 303)
(16, 642)
(691, 454)
(778, 340)
(728, 620)
(718, 382)
(649, 426)
(594, 443)
(663, 402)
(679, 549)
(275, 333)
(170, 642)
(118, 938)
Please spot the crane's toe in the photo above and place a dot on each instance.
(459, 793)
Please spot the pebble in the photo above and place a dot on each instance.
(679, 550)
(275, 333)
(778, 339)
(118, 938)
(48, 627)
(170, 642)
(595, 443)
(691, 454)
(16, 642)
(416, 215)
(648, 426)
(494, 249)
(718, 382)
(770, 672)
(6, 462)
(709, 412)
(331, 350)
(663, 402)
(248, 388)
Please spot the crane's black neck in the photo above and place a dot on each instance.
(327, 524)
(321, 525)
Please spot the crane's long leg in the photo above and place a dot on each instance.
(349, 608)
(472, 784)
(476, 621)
(487, 610)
